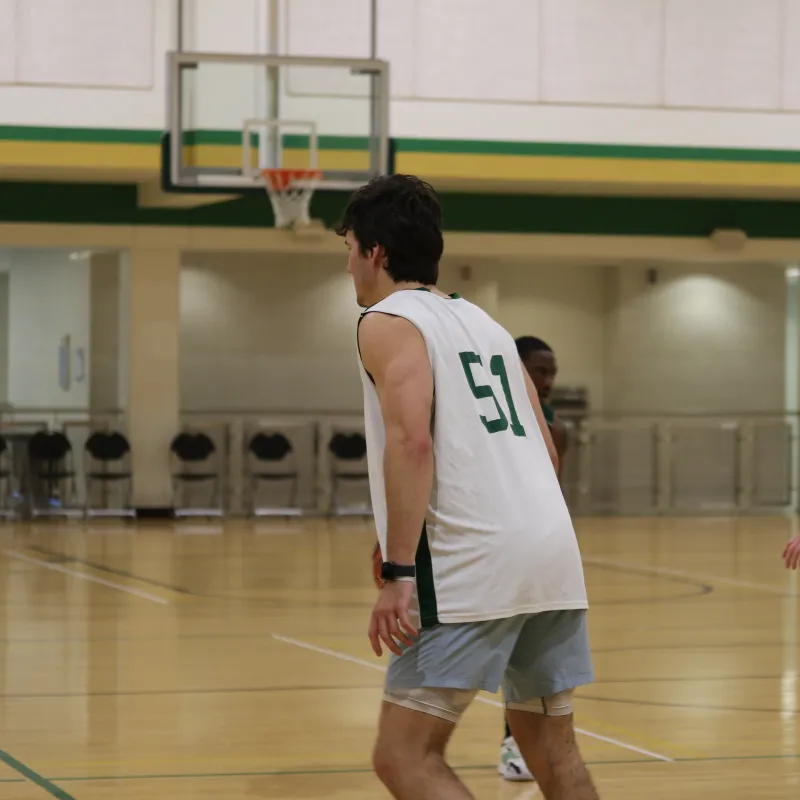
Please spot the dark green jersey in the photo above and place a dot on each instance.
(549, 414)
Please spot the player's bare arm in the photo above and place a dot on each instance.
(533, 396)
(558, 431)
(791, 553)
(377, 561)
(394, 354)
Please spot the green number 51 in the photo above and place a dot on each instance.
(483, 390)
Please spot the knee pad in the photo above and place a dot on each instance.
(556, 705)
(448, 704)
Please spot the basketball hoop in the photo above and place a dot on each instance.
(290, 192)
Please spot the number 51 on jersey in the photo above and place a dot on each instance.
(483, 390)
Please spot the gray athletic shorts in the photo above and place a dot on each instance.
(533, 656)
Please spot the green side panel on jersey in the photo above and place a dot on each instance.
(426, 591)
(549, 413)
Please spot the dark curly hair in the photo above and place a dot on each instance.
(531, 344)
(402, 214)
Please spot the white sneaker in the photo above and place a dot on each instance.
(512, 766)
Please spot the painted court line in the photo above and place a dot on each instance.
(91, 578)
(696, 576)
(485, 700)
(34, 777)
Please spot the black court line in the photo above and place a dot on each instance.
(199, 636)
(690, 679)
(291, 772)
(161, 692)
(34, 777)
(63, 558)
(267, 637)
(701, 589)
(697, 646)
(690, 706)
(649, 601)
(351, 687)
(367, 770)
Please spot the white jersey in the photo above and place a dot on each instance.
(498, 538)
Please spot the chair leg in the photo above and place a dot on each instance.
(334, 504)
(215, 492)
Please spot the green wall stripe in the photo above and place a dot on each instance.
(588, 150)
(418, 145)
(293, 141)
(230, 138)
(34, 777)
(28, 133)
(116, 204)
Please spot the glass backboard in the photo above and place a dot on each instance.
(230, 116)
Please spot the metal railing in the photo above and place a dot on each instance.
(729, 464)
(623, 465)
(656, 465)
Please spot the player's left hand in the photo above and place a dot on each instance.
(791, 554)
(390, 622)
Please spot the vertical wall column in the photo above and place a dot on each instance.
(792, 374)
(479, 286)
(150, 346)
(104, 361)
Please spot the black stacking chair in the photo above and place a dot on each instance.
(348, 464)
(272, 460)
(5, 479)
(51, 462)
(107, 463)
(195, 454)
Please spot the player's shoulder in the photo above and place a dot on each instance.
(385, 329)
(383, 338)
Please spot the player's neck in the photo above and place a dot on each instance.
(406, 285)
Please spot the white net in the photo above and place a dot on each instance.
(290, 192)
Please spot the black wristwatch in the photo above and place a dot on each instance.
(392, 572)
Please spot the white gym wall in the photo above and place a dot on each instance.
(714, 73)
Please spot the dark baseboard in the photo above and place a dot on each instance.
(150, 512)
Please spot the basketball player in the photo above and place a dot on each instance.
(791, 553)
(539, 360)
(482, 581)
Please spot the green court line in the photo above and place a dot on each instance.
(34, 777)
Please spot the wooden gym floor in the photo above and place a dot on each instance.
(182, 661)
